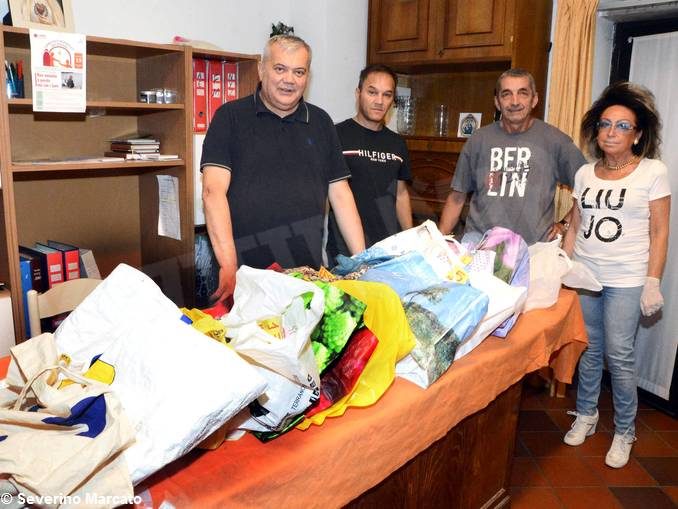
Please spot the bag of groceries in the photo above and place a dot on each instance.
(176, 384)
(441, 314)
(511, 264)
(270, 325)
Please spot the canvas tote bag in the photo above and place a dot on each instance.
(61, 434)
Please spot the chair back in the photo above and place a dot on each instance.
(59, 299)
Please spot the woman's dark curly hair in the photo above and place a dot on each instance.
(639, 100)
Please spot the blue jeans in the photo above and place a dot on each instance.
(611, 317)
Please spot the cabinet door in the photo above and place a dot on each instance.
(431, 177)
(398, 30)
(481, 29)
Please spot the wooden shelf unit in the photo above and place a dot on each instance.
(109, 207)
(93, 166)
(93, 107)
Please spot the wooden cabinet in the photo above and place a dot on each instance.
(446, 31)
(470, 467)
(417, 37)
(481, 29)
(451, 52)
(433, 162)
(51, 188)
(399, 27)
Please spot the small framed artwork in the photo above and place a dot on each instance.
(44, 14)
(4, 9)
(468, 123)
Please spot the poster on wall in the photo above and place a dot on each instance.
(58, 71)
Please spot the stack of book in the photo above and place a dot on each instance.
(144, 148)
(133, 148)
(44, 265)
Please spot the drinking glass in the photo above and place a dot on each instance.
(441, 120)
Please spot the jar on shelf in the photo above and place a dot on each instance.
(406, 114)
(147, 96)
(170, 96)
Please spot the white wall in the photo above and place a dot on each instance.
(335, 29)
(232, 25)
(337, 32)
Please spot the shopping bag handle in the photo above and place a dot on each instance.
(70, 374)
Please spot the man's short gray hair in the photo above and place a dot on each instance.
(287, 42)
(515, 73)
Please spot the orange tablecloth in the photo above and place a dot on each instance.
(329, 465)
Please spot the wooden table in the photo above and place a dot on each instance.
(450, 445)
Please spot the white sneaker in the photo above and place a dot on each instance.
(619, 452)
(583, 426)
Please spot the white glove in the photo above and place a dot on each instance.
(651, 299)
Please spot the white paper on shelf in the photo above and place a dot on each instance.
(168, 207)
(6, 323)
(58, 71)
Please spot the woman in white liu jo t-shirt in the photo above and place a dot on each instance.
(620, 229)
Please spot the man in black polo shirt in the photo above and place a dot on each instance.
(379, 163)
(270, 161)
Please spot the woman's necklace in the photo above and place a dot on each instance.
(619, 166)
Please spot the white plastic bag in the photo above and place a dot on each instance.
(261, 294)
(505, 300)
(409, 369)
(274, 410)
(287, 363)
(580, 276)
(549, 267)
(548, 264)
(427, 240)
(177, 385)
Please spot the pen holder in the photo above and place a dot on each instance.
(15, 84)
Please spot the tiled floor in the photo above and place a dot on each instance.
(547, 473)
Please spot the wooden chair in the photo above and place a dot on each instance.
(59, 299)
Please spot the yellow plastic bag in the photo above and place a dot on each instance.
(386, 319)
(206, 324)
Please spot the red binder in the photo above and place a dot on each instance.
(70, 258)
(230, 73)
(199, 95)
(52, 264)
(214, 88)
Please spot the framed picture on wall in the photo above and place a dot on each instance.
(4, 9)
(45, 14)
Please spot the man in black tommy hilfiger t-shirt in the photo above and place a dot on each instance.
(379, 163)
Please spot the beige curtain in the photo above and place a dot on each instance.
(571, 74)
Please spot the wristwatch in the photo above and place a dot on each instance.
(565, 224)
